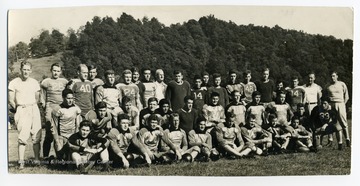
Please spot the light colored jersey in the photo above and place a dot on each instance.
(150, 91)
(132, 91)
(108, 94)
(258, 111)
(199, 138)
(231, 87)
(228, 134)
(96, 82)
(24, 90)
(338, 92)
(120, 142)
(52, 90)
(99, 124)
(64, 120)
(239, 111)
(133, 115)
(248, 88)
(213, 113)
(283, 112)
(177, 137)
(150, 139)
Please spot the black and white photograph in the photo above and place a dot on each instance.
(191, 91)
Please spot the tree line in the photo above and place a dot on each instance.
(208, 44)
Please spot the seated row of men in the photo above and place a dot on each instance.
(161, 135)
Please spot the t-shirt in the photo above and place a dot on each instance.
(133, 114)
(151, 139)
(24, 90)
(64, 119)
(52, 90)
(160, 89)
(196, 139)
(83, 93)
(175, 93)
(213, 114)
(313, 93)
(283, 112)
(266, 89)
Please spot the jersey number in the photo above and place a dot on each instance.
(85, 88)
(198, 96)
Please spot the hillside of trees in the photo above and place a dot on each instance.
(208, 44)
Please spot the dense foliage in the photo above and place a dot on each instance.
(208, 44)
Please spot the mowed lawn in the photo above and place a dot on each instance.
(328, 161)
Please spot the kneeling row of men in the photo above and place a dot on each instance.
(122, 145)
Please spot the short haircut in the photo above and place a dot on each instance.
(152, 99)
(66, 91)
(85, 123)
(230, 115)
(334, 72)
(23, 63)
(152, 117)
(311, 72)
(163, 102)
(196, 77)
(216, 75)
(188, 97)
(127, 71)
(265, 69)
(232, 72)
(145, 69)
(82, 66)
(295, 77)
(246, 73)
(294, 118)
(91, 67)
(200, 119)
(251, 116)
(158, 71)
(204, 73)
(135, 69)
(214, 94)
(300, 105)
(235, 91)
(125, 99)
(122, 116)
(55, 65)
(109, 72)
(174, 115)
(272, 116)
(177, 72)
(279, 81)
(255, 93)
(100, 105)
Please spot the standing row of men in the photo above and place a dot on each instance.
(138, 100)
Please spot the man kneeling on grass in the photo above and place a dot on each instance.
(151, 135)
(178, 137)
(121, 138)
(199, 137)
(226, 136)
(86, 149)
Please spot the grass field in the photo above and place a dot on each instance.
(328, 161)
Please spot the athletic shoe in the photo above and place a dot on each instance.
(348, 144)
(340, 146)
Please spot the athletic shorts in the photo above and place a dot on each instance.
(28, 123)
